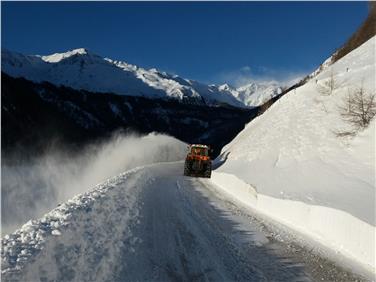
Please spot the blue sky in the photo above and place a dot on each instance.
(213, 42)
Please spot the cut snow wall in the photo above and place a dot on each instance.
(336, 229)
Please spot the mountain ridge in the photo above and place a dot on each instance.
(37, 116)
(82, 69)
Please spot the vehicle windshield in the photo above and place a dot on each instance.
(199, 151)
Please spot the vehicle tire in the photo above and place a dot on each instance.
(187, 170)
(207, 172)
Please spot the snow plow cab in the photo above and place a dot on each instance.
(198, 162)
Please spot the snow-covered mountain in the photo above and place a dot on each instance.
(254, 93)
(288, 164)
(34, 114)
(303, 172)
(82, 69)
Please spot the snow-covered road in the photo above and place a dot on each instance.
(188, 232)
(153, 224)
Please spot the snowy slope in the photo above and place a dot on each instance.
(72, 242)
(81, 69)
(291, 152)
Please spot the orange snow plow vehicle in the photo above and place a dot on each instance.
(198, 162)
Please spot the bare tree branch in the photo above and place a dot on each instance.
(357, 110)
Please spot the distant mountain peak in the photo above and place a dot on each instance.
(80, 51)
(82, 69)
(57, 57)
(225, 86)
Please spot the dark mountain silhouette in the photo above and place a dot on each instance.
(36, 116)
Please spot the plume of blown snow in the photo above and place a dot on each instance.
(33, 188)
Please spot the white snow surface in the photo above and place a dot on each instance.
(291, 153)
(83, 234)
(256, 94)
(82, 69)
(154, 224)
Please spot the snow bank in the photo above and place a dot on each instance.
(79, 240)
(334, 228)
(305, 175)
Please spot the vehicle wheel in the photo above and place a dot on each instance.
(187, 170)
(207, 172)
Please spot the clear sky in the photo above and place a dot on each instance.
(212, 42)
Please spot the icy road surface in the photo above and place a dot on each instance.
(187, 232)
(153, 224)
